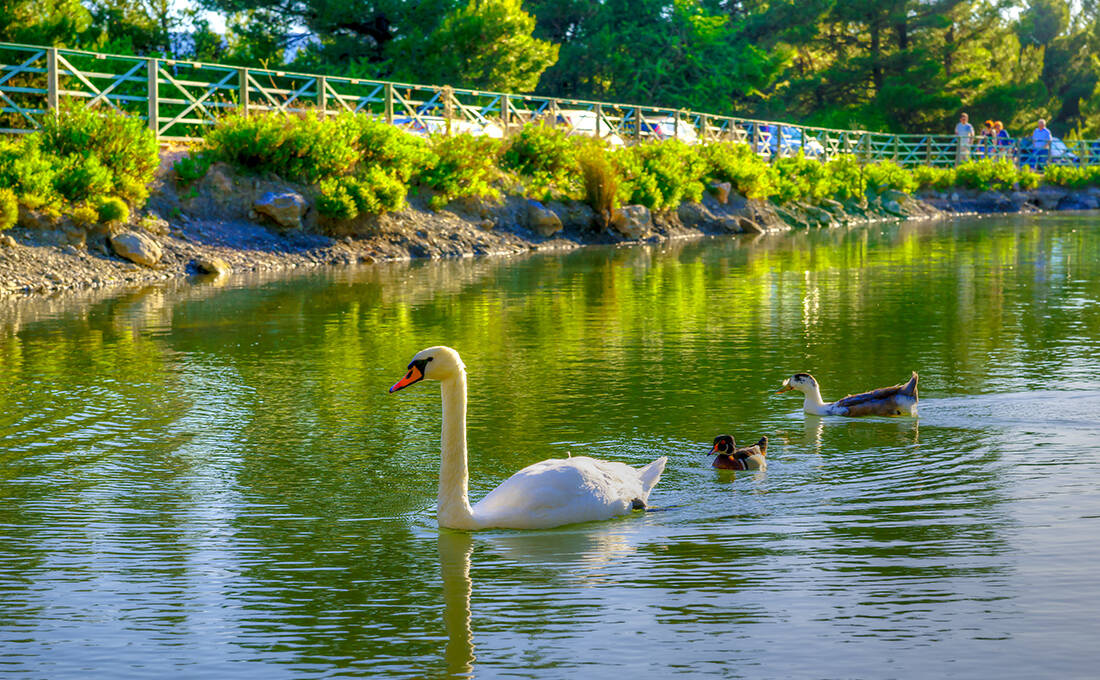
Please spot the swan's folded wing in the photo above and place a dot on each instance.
(578, 489)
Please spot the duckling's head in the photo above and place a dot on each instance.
(434, 363)
(724, 449)
(803, 382)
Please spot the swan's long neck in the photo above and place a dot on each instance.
(813, 403)
(453, 508)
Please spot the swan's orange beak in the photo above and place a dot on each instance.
(414, 375)
(786, 387)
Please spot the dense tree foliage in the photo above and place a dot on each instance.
(896, 65)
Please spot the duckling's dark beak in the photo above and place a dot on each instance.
(414, 375)
(714, 449)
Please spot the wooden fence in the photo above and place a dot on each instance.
(180, 99)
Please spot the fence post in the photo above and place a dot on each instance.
(897, 148)
(928, 150)
(51, 80)
(242, 90)
(755, 137)
(322, 94)
(152, 68)
(778, 142)
(599, 121)
(704, 122)
(506, 114)
(637, 124)
(866, 147)
(388, 97)
(676, 125)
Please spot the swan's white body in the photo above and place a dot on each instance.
(547, 494)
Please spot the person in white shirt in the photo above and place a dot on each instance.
(965, 132)
(1040, 142)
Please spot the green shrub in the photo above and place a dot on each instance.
(371, 192)
(122, 144)
(1028, 178)
(845, 177)
(379, 144)
(930, 177)
(885, 175)
(601, 182)
(545, 155)
(986, 175)
(113, 209)
(83, 215)
(334, 200)
(297, 148)
(29, 173)
(660, 175)
(465, 167)
(1066, 176)
(82, 178)
(748, 173)
(801, 178)
(9, 208)
(193, 167)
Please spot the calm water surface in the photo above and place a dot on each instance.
(209, 481)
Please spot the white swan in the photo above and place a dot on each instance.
(547, 494)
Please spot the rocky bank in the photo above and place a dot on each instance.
(227, 224)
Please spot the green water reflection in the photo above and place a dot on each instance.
(213, 479)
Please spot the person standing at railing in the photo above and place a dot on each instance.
(965, 133)
(1040, 144)
(1002, 140)
(986, 140)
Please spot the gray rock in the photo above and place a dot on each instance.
(632, 221)
(286, 208)
(486, 224)
(749, 226)
(893, 207)
(138, 248)
(1049, 197)
(7, 241)
(542, 220)
(695, 215)
(209, 264)
(720, 191)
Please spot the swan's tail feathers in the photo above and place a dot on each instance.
(651, 473)
(911, 386)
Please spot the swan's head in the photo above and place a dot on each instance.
(434, 363)
(803, 382)
(724, 443)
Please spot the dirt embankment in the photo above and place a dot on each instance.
(214, 226)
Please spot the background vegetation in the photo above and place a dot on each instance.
(893, 65)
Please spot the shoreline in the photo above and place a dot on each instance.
(214, 231)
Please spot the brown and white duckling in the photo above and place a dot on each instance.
(899, 400)
(729, 457)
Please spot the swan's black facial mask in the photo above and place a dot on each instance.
(415, 374)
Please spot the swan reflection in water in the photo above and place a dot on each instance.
(586, 546)
(454, 569)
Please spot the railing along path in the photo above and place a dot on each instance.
(179, 99)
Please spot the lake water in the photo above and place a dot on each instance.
(212, 480)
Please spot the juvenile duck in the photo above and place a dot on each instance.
(898, 400)
(729, 457)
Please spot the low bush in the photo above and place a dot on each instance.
(1028, 178)
(886, 175)
(845, 178)
(465, 167)
(113, 209)
(801, 179)
(9, 208)
(929, 177)
(986, 175)
(303, 148)
(193, 167)
(379, 144)
(545, 156)
(748, 173)
(1071, 177)
(660, 175)
(82, 178)
(601, 182)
